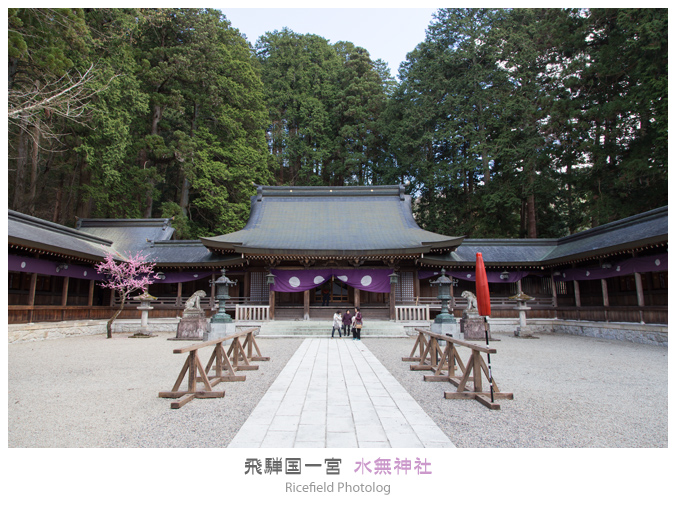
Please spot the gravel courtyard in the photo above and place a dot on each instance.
(569, 391)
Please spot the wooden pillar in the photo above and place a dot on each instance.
(416, 285)
(31, 295)
(306, 305)
(451, 303)
(576, 286)
(555, 299)
(212, 295)
(179, 293)
(606, 301)
(639, 289)
(247, 285)
(64, 291)
(64, 296)
(393, 309)
(518, 286)
(272, 302)
(90, 296)
(639, 294)
(357, 301)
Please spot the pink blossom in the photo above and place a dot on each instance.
(127, 277)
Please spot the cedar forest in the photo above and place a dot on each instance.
(503, 123)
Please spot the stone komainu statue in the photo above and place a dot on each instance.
(194, 301)
(471, 300)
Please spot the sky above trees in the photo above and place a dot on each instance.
(386, 33)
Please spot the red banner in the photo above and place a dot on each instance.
(483, 297)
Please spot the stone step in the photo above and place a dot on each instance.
(323, 329)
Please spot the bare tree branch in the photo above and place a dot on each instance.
(68, 97)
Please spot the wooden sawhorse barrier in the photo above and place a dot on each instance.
(429, 353)
(471, 372)
(250, 344)
(223, 371)
(241, 354)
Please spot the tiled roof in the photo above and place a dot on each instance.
(25, 231)
(332, 221)
(649, 228)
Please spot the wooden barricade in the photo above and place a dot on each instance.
(237, 355)
(472, 371)
(250, 344)
(223, 371)
(428, 353)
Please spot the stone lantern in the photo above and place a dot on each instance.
(223, 284)
(445, 322)
(443, 284)
(522, 330)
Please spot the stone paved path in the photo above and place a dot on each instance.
(333, 393)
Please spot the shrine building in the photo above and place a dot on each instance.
(306, 252)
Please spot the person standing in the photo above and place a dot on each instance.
(358, 323)
(347, 323)
(337, 322)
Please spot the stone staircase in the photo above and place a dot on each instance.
(371, 329)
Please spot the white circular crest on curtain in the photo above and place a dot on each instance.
(469, 276)
(23, 265)
(343, 278)
(657, 261)
(366, 281)
(294, 281)
(318, 279)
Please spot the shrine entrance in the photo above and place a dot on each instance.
(331, 292)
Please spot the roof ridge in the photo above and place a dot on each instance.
(48, 225)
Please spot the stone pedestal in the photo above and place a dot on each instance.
(216, 330)
(144, 307)
(522, 330)
(473, 326)
(192, 327)
(446, 328)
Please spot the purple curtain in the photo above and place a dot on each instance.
(615, 269)
(369, 280)
(49, 268)
(184, 277)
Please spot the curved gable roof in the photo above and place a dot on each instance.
(331, 221)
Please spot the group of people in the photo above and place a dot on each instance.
(345, 322)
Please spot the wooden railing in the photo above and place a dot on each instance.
(496, 302)
(252, 313)
(415, 313)
(205, 302)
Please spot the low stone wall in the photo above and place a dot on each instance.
(23, 332)
(634, 332)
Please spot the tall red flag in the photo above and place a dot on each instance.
(482, 295)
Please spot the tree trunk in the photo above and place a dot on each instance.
(532, 224)
(530, 206)
(83, 208)
(149, 199)
(109, 325)
(20, 176)
(57, 201)
(32, 192)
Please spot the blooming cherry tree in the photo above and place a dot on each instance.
(126, 278)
